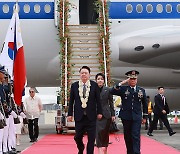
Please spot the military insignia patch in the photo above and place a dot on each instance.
(127, 92)
(140, 94)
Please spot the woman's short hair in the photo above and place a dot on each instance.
(100, 74)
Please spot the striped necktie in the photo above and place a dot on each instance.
(84, 91)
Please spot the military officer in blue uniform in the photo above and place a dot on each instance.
(133, 101)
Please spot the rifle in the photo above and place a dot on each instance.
(11, 101)
(2, 121)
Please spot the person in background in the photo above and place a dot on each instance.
(19, 126)
(108, 115)
(117, 103)
(133, 101)
(150, 110)
(85, 105)
(161, 109)
(33, 108)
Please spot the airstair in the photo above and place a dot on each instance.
(81, 45)
(84, 41)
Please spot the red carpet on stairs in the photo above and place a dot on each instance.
(64, 144)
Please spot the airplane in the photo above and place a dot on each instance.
(144, 36)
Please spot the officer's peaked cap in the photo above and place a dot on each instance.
(132, 74)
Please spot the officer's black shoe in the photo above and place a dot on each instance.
(172, 133)
(149, 134)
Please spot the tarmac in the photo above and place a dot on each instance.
(159, 135)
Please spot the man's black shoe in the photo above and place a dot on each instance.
(172, 133)
(160, 128)
(35, 140)
(149, 134)
(31, 140)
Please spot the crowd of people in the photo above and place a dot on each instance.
(91, 106)
(13, 117)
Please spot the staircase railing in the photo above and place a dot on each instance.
(102, 8)
(65, 51)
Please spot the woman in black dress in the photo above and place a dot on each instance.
(103, 125)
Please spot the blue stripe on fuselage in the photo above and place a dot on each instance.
(31, 15)
(117, 10)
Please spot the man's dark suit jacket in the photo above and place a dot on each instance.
(159, 105)
(93, 105)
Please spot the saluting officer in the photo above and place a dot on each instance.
(133, 97)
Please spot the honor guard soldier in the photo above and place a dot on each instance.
(2, 100)
(9, 131)
(133, 101)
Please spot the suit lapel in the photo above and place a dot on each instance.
(103, 92)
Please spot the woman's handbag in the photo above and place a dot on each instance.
(24, 129)
(113, 127)
(16, 120)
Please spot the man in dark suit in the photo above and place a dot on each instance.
(161, 109)
(133, 98)
(85, 104)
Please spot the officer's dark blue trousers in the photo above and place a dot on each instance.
(132, 135)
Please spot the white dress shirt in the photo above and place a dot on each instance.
(33, 107)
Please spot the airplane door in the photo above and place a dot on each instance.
(87, 14)
(74, 13)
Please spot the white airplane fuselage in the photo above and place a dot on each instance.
(152, 27)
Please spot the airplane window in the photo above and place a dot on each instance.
(139, 8)
(149, 8)
(168, 8)
(178, 8)
(26, 8)
(139, 48)
(47, 8)
(37, 8)
(5, 8)
(156, 46)
(129, 8)
(159, 8)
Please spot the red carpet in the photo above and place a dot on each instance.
(64, 144)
